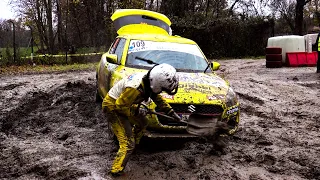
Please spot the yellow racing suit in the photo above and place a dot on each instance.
(121, 108)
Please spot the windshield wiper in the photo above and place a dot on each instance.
(207, 68)
(146, 60)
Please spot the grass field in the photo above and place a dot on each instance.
(13, 70)
(23, 56)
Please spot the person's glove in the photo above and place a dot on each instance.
(142, 111)
(174, 115)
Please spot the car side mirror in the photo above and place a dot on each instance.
(214, 66)
(112, 58)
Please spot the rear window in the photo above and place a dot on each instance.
(140, 19)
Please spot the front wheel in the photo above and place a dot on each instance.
(233, 124)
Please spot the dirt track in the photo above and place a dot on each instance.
(51, 128)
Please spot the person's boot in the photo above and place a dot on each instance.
(117, 174)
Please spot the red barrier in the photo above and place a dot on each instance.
(298, 59)
(312, 59)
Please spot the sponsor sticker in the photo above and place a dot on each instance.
(215, 97)
(130, 77)
(184, 117)
(233, 110)
(211, 98)
(167, 96)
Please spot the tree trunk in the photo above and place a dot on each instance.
(76, 24)
(150, 5)
(299, 17)
(48, 6)
(163, 6)
(232, 6)
(207, 7)
(59, 29)
(40, 26)
(157, 9)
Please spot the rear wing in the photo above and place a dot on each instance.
(130, 21)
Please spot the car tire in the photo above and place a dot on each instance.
(273, 50)
(273, 57)
(273, 64)
(98, 97)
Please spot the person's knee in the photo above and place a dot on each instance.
(131, 144)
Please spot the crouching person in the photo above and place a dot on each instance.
(127, 118)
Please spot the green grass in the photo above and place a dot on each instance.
(26, 51)
(12, 70)
(22, 51)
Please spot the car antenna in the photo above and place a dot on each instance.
(146, 60)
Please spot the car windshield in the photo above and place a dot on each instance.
(184, 57)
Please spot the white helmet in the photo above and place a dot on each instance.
(163, 78)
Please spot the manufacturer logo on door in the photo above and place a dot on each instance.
(191, 108)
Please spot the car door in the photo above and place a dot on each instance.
(109, 66)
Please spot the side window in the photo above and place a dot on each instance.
(114, 46)
(117, 48)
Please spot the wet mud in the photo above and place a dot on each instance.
(52, 128)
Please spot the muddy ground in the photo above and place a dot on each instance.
(51, 128)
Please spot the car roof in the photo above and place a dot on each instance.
(159, 38)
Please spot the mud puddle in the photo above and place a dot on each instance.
(52, 128)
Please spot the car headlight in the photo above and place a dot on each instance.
(231, 99)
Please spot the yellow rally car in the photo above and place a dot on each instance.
(144, 38)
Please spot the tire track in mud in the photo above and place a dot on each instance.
(276, 134)
(12, 86)
(61, 134)
(60, 129)
(66, 120)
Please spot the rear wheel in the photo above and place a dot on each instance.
(98, 97)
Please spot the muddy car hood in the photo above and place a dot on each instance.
(199, 88)
(196, 88)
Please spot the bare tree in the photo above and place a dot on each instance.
(38, 13)
(59, 24)
(299, 16)
(48, 10)
(285, 10)
(246, 8)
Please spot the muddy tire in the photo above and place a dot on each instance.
(98, 97)
(273, 64)
(273, 57)
(233, 125)
(273, 50)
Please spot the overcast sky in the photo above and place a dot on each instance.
(6, 12)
